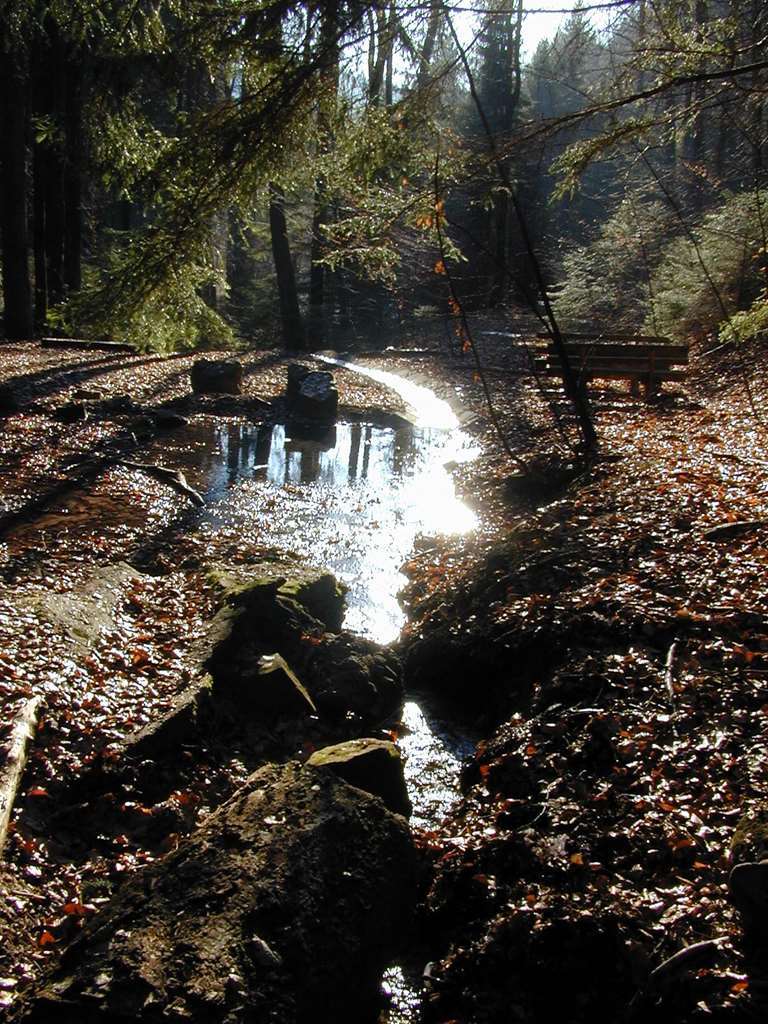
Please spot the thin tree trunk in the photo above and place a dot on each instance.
(502, 207)
(55, 222)
(38, 230)
(73, 178)
(290, 314)
(41, 106)
(319, 279)
(13, 201)
(428, 47)
(317, 271)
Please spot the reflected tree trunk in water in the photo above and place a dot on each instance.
(366, 452)
(354, 450)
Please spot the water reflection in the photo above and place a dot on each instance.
(353, 500)
(434, 755)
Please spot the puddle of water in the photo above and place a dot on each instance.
(354, 501)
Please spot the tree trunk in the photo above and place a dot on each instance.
(320, 279)
(73, 176)
(317, 272)
(54, 69)
(290, 314)
(13, 201)
(502, 208)
(428, 47)
(38, 229)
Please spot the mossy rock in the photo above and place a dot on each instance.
(372, 765)
(750, 840)
(317, 591)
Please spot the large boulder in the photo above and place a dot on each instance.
(343, 674)
(347, 673)
(748, 880)
(254, 622)
(284, 907)
(311, 396)
(217, 376)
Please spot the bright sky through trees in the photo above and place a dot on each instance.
(541, 21)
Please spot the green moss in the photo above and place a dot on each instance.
(315, 591)
(750, 840)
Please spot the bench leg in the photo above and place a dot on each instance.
(634, 387)
(652, 387)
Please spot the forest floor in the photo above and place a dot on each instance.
(610, 638)
(613, 650)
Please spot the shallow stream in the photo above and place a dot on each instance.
(357, 502)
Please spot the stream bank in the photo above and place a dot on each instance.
(106, 806)
(614, 658)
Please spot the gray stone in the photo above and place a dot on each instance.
(296, 374)
(316, 590)
(311, 396)
(180, 724)
(217, 376)
(87, 612)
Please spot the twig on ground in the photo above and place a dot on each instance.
(11, 772)
(173, 477)
(669, 671)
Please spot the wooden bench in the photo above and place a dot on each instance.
(640, 359)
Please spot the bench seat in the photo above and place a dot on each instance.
(617, 356)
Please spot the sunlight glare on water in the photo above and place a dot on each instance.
(434, 757)
(353, 502)
(428, 409)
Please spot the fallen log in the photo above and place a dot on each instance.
(12, 771)
(173, 477)
(87, 344)
(283, 907)
(727, 531)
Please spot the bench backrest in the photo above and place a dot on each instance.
(608, 350)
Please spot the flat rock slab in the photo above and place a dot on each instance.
(85, 613)
(284, 906)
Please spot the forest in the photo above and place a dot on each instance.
(383, 511)
(180, 175)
